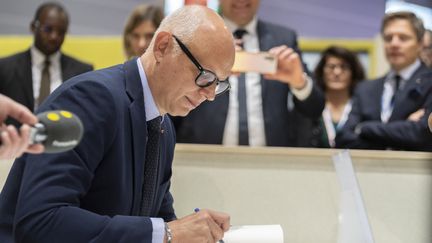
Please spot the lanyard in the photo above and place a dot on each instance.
(328, 122)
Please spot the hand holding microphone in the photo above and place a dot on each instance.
(13, 143)
(56, 131)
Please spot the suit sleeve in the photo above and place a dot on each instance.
(48, 206)
(348, 137)
(402, 134)
(313, 105)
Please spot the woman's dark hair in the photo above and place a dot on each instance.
(349, 57)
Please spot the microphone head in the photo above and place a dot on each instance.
(61, 130)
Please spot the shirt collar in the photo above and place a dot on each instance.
(407, 72)
(251, 27)
(151, 109)
(38, 57)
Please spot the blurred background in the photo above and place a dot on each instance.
(96, 26)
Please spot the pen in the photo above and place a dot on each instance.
(196, 210)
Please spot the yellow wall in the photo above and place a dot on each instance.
(101, 51)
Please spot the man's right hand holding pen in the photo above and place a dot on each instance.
(202, 226)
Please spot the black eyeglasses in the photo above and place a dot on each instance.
(205, 77)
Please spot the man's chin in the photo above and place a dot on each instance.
(183, 112)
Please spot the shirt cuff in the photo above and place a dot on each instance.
(158, 230)
(302, 94)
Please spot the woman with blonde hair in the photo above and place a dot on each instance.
(139, 29)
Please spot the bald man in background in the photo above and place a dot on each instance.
(115, 185)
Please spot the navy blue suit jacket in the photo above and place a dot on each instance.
(16, 79)
(206, 123)
(398, 133)
(93, 192)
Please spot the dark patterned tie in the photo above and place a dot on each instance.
(243, 123)
(151, 166)
(397, 80)
(45, 86)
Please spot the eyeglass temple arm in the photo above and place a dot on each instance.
(184, 48)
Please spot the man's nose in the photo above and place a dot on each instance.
(54, 35)
(337, 70)
(208, 92)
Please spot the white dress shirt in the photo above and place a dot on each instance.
(257, 136)
(152, 112)
(38, 62)
(390, 86)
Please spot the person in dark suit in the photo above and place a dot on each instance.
(257, 110)
(28, 77)
(115, 185)
(389, 112)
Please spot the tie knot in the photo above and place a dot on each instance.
(154, 124)
(239, 33)
(397, 79)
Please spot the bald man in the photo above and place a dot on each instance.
(114, 186)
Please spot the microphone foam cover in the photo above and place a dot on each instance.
(63, 129)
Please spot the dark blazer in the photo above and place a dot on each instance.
(206, 123)
(398, 133)
(93, 192)
(16, 75)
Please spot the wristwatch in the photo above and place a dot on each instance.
(168, 233)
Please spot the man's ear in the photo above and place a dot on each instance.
(161, 45)
(33, 26)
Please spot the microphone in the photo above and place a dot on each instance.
(57, 130)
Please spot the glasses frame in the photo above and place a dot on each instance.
(202, 71)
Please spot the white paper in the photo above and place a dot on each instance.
(254, 234)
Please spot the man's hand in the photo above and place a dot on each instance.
(289, 69)
(14, 144)
(416, 116)
(430, 122)
(203, 226)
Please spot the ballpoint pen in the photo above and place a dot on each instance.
(196, 210)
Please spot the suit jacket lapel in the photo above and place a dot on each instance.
(408, 96)
(139, 127)
(65, 69)
(25, 76)
(376, 98)
(264, 40)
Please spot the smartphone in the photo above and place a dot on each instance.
(261, 62)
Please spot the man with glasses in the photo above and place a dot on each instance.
(29, 77)
(391, 112)
(260, 109)
(115, 185)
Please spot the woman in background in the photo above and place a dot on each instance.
(337, 73)
(139, 29)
